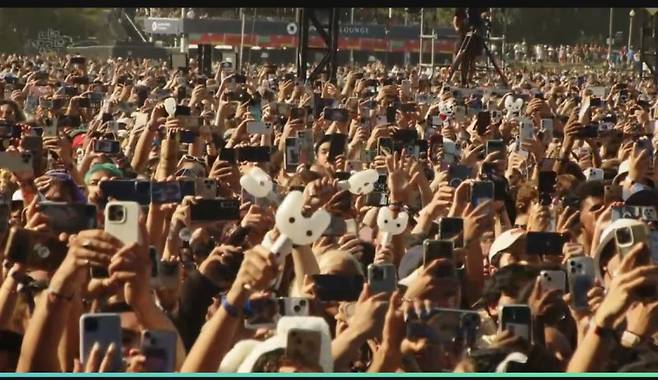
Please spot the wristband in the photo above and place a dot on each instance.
(231, 310)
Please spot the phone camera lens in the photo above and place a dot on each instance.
(624, 236)
(302, 303)
(91, 324)
(116, 213)
(296, 308)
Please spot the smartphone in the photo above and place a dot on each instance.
(627, 237)
(545, 243)
(337, 145)
(228, 155)
(553, 280)
(211, 210)
(293, 306)
(110, 147)
(127, 190)
(335, 287)
(166, 192)
(17, 162)
(589, 131)
(283, 109)
(483, 119)
(382, 278)
(185, 136)
(304, 346)
(546, 125)
(306, 146)
(594, 174)
(122, 221)
(458, 174)
(452, 229)
(546, 182)
(253, 153)
(385, 146)
(481, 191)
(205, 188)
(376, 199)
(437, 249)
(69, 217)
(391, 112)
(494, 146)
(291, 155)
(159, 348)
(527, 131)
(336, 114)
(259, 128)
(37, 250)
(298, 113)
(262, 313)
(444, 326)
(517, 319)
(103, 329)
(581, 275)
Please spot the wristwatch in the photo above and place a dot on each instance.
(630, 340)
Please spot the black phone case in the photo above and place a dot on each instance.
(338, 288)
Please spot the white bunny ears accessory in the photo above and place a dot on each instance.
(513, 106)
(170, 106)
(389, 225)
(360, 183)
(259, 184)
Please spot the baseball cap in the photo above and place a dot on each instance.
(607, 236)
(622, 171)
(503, 242)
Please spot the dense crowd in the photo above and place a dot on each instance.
(165, 217)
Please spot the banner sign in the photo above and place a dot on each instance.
(156, 25)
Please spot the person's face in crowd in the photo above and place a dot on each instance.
(7, 112)
(590, 209)
(130, 333)
(95, 179)
(323, 153)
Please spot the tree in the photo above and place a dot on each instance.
(20, 25)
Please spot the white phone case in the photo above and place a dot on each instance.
(122, 221)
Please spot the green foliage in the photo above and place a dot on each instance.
(19, 25)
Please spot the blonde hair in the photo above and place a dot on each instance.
(327, 258)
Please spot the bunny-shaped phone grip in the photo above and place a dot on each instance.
(294, 226)
(513, 106)
(360, 183)
(170, 106)
(259, 184)
(389, 225)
